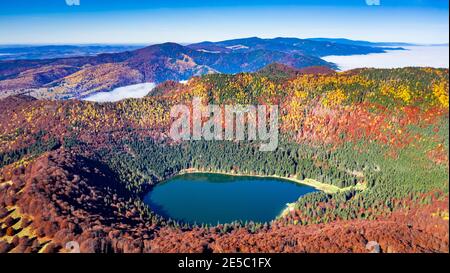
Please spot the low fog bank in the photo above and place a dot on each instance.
(419, 56)
(131, 91)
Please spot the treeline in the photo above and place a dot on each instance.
(140, 163)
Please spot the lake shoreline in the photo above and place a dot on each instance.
(327, 188)
(289, 206)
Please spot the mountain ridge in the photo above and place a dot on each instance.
(62, 78)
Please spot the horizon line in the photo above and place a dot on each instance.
(203, 41)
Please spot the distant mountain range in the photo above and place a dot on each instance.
(372, 44)
(76, 77)
(361, 43)
(288, 45)
(35, 52)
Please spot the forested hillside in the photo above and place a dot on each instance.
(380, 135)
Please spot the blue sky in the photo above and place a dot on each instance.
(155, 21)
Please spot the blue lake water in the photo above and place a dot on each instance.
(215, 198)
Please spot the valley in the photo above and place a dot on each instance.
(75, 170)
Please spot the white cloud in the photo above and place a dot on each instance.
(421, 56)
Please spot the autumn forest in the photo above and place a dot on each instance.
(73, 170)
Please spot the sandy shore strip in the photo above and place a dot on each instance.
(327, 188)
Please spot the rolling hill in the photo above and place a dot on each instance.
(76, 77)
